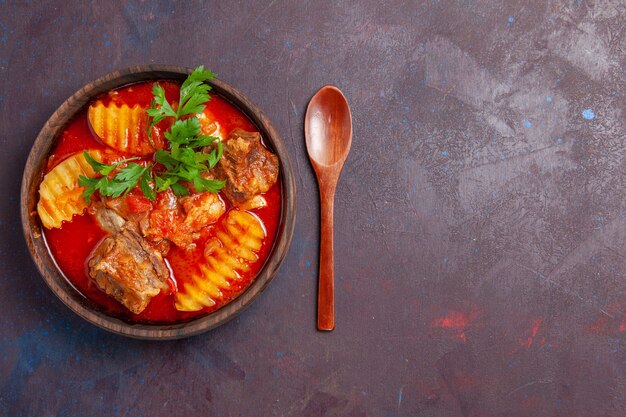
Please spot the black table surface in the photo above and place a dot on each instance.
(480, 218)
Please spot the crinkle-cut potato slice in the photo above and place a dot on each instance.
(237, 249)
(60, 196)
(124, 128)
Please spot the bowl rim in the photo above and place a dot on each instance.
(46, 264)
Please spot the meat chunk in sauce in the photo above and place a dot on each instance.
(247, 166)
(109, 220)
(166, 222)
(202, 209)
(125, 267)
(180, 221)
(112, 213)
(134, 206)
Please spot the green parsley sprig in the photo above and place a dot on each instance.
(122, 182)
(194, 93)
(183, 161)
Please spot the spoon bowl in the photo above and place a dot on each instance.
(328, 127)
(328, 134)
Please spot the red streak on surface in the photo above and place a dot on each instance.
(454, 320)
(72, 244)
(527, 342)
(611, 321)
(600, 325)
(456, 323)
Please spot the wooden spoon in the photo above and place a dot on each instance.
(328, 133)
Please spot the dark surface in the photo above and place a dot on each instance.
(480, 218)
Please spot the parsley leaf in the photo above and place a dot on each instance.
(203, 140)
(91, 186)
(179, 189)
(98, 166)
(194, 92)
(144, 184)
(203, 184)
(183, 130)
(163, 111)
(130, 174)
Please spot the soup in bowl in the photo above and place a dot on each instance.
(158, 202)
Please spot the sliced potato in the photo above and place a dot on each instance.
(60, 196)
(124, 128)
(243, 236)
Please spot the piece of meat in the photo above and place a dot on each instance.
(167, 221)
(247, 166)
(106, 218)
(133, 206)
(166, 200)
(127, 268)
(202, 210)
(112, 222)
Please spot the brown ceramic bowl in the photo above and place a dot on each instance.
(55, 279)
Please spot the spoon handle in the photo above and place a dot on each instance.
(326, 285)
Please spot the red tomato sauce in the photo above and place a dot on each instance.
(72, 244)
